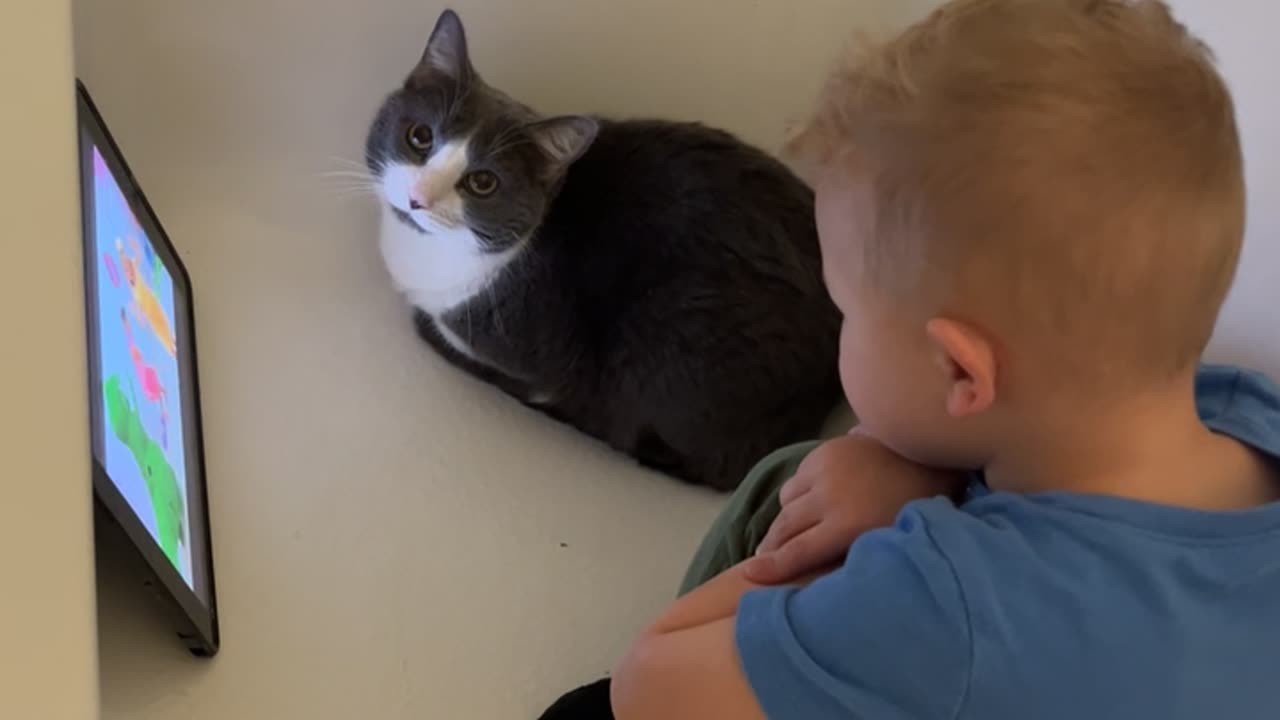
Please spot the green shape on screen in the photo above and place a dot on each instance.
(157, 473)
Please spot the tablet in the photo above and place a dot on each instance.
(145, 425)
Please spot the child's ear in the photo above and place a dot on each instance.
(966, 356)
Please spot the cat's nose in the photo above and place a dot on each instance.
(414, 204)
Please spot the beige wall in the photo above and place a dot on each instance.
(394, 541)
(47, 636)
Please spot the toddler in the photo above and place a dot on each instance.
(1030, 212)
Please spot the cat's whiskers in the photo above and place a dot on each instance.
(351, 195)
(346, 161)
(357, 165)
(363, 188)
(351, 186)
(353, 180)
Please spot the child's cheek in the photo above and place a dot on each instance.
(852, 368)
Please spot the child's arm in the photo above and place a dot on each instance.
(714, 600)
(844, 488)
(717, 599)
(685, 664)
(690, 674)
(886, 635)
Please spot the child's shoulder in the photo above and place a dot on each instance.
(1106, 594)
(1243, 404)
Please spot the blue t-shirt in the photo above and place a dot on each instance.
(1041, 606)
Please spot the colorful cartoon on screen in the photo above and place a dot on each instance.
(138, 358)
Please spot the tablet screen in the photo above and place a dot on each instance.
(144, 396)
(141, 439)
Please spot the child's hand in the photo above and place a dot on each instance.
(842, 489)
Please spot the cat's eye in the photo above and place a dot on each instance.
(419, 138)
(481, 183)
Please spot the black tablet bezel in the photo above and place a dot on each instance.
(198, 620)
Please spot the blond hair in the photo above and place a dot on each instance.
(1074, 164)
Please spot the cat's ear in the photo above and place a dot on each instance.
(447, 49)
(564, 139)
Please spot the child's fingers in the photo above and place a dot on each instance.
(796, 486)
(797, 516)
(802, 554)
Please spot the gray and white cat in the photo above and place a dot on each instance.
(655, 284)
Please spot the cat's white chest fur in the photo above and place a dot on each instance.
(440, 271)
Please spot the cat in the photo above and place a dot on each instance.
(655, 284)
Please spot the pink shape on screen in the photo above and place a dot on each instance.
(113, 273)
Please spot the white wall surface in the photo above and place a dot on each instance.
(48, 657)
(1242, 33)
(393, 540)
